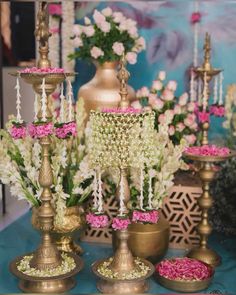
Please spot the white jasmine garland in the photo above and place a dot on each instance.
(54, 41)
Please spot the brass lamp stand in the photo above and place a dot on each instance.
(206, 172)
(122, 264)
(47, 256)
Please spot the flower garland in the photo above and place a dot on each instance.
(151, 216)
(120, 222)
(39, 130)
(18, 130)
(97, 220)
(64, 130)
(35, 70)
(207, 150)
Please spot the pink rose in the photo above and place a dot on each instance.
(157, 85)
(190, 120)
(143, 92)
(96, 52)
(77, 41)
(141, 43)
(77, 30)
(190, 138)
(136, 105)
(152, 98)
(177, 109)
(172, 85)
(131, 58)
(89, 31)
(158, 104)
(105, 27)
(118, 48)
(180, 127)
(162, 119)
(107, 11)
(98, 17)
(118, 17)
(162, 75)
(191, 106)
(171, 130)
(183, 99)
(133, 31)
(167, 95)
(194, 127)
(169, 115)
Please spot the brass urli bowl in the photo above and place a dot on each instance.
(185, 286)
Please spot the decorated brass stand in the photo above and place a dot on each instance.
(122, 264)
(206, 171)
(47, 257)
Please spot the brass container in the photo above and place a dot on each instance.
(64, 235)
(103, 90)
(149, 241)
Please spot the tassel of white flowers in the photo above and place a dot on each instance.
(36, 107)
(150, 193)
(221, 89)
(204, 98)
(62, 110)
(44, 101)
(199, 92)
(100, 203)
(215, 97)
(18, 101)
(68, 15)
(70, 101)
(122, 196)
(141, 189)
(95, 191)
(54, 41)
(192, 87)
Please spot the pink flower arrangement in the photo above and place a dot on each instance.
(97, 220)
(54, 9)
(120, 223)
(151, 216)
(207, 150)
(129, 110)
(195, 17)
(65, 130)
(217, 110)
(203, 116)
(184, 269)
(34, 70)
(40, 130)
(18, 131)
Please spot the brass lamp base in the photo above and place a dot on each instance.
(56, 284)
(68, 245)
(206, 255)
(118, 286)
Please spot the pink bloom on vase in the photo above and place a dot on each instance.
(172, 85)
(136, 105)
(120, 223)
(162, 119)
(133, 31)
(96, 52)
(105, 27)
(107, 11)
(54, 9)
(118, 17)
(180, 127)
(162, 75)
(203, 116)
(167, 95)
(77, 30)
(18, 132)
(152, 98)
(183, 99)
(89, 31)
(171, 130)
(191, 139)
(98, 17)
(157, 85)
(195, 17)
(158, 104)
(118, 48)
(145, 216)
(97, 220)
(177, 109)
(87, 21)
(131, 57)
(77, 41)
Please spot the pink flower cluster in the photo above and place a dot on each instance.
(145, 216)
(195, 17)
(203, 116)
(186, 269)
(40, 130)
(129, 110)
(18, 132)
(207, 150)
(120, 223)
(97, 220)
(66, 130)
(55, 9)
(42, 71)
(217, 110)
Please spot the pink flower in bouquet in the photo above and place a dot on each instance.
(162, 75)
(97, 220)
(195, 17)
(131, 57)
(89, 31)
(218, 111)
(167, 95)
(152, 98)
(40, 130)
(120, 223)
(133, 31)
(190, 120)
(98, 17)
(143, 92)
(157, 85)
(169, 114)
(77, 30)
(66, 130)
(162, 119)
(180, 127)
(183, 99)
(145, 216)
(207, 150)
(96, 52)
(191, 139)
(172, 85)
(141, 43)
(158, 104)
(77, 41)
(203, 116)
(54, 9)
(107, 11)
(18, 132)
(171, 130)
(87, 21)
(194, 127)
(136, 105)
(118, 17)
(118, 48)
(105, 27)
(191, 106)
(177, 109)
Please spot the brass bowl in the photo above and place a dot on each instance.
(184, 286)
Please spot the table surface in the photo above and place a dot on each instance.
(20, 238)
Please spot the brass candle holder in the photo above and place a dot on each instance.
(115, 138)
(46, 258)
(206, 171)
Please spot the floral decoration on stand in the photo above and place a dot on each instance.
(107, 37)
(207, 150)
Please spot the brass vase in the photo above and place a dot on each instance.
(149, 241)
(103, 90)
(64, 235)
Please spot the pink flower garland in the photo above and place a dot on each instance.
(207, 150)
(66, 129)
(203, 116)
(120, 223)
(145, 216)
(128, 110)
(18, 132)
(40, 130)
(217, 110)
(97, 220)
(42, 71)
(185, 269)
(55, 9)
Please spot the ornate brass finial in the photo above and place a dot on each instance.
(123, 76)
(207, 55)
(42, 35)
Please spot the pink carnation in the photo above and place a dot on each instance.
(105, 27)
(120, 223)
(89, 31)
(96, 52)
(40, 130)
(145, 216)
(18, 132)
(177, 109)
(203, 116)
(172, 85)
(180, 127)
(162, 119)
(158, 104)
(157, 85)
(171, 130)
(167, 95)
(118, 48)
(97, 220)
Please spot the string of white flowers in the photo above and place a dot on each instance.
(62, 110)
(122, 196)
(196, 31)
(18, 101)
(70, 101)
(95, 190)
(36, 107)
(150, 193)
(54, 41)
(221, 89)
(44, 101)
(192, 87)
(68, 17)
(199, 91)
(141, 189)
(215, 97)
(100, 204)
(204, 99)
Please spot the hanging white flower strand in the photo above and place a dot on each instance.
(62, 104)
(36, 107)
(199, 92)
(122, 196)
(215, 97)
(204, 99)
(141, 189)
(150, 192)
(44, 102)
(100, 204)
(70, 101)
(192, 87)
(18, 101)
(221, 89)
(95, 191)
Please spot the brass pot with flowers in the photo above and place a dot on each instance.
(20, 163)
(103, 40)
